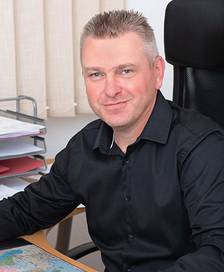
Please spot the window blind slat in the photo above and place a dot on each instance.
(30, 52)
(59, 58)
(7, 52)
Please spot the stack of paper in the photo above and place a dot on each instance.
(17, 148)
(9, 187)
(10, 128)
(20, 146)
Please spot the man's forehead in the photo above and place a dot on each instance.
(116, 51)
(127, 36)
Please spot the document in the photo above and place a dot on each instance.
(11, 186)
(15, 148)
(30, 258)
(6, 191)
(14, 128)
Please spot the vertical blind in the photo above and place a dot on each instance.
(39, 52)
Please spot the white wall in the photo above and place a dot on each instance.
(60, 130)
(154, 10)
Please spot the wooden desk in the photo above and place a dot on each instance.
(39, 239)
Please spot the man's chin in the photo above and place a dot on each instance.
(115, 124)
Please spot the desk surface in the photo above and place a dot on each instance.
(40, 240)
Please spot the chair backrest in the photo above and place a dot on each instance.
(194, 45)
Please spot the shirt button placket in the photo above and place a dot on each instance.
(131, 236)
(127, 199)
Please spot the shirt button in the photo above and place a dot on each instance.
(126, 197)
(125, 162)
(130, 236)
(129, 269)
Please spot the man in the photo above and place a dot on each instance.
(149, 173)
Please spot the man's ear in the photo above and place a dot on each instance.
(159, 67)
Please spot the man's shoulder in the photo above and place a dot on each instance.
(193, 122)
(191, 129)
(92, 126)
(88, 132)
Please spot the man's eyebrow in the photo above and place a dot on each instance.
(125, 65)
(120, 66)
(87, 69)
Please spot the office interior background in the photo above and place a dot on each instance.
(56, 138)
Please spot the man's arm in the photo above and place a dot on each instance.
(202, 182)
(41, 205)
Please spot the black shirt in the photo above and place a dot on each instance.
(159, 207)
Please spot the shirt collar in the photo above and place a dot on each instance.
(104, 137)
(157, 128)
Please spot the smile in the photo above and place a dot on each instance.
(115, 105)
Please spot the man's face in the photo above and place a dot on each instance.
(121, 84)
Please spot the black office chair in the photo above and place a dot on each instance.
(194, 45)
(81, 250)
(78, 251)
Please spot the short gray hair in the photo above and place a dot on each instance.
(114, 23)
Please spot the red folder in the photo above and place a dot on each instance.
(19, 165)
(3, 169)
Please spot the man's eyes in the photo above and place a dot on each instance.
(126, 72)
(95, 75)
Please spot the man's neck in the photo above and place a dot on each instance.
(128, 136)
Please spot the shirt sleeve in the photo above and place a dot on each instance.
(202, 183)
(41, 205)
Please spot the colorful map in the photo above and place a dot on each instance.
(30, 258)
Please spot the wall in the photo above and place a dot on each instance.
(60, 130)
(154, 10)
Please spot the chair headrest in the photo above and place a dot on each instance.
(194, 33)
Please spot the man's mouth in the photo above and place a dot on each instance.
(114, 104)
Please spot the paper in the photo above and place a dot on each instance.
(14, 183)
(14, 128)
(15, 148)
(8, 187)
(20, 165)
(30, 258)
(5, 192)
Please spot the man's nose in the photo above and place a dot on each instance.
(111, 86)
